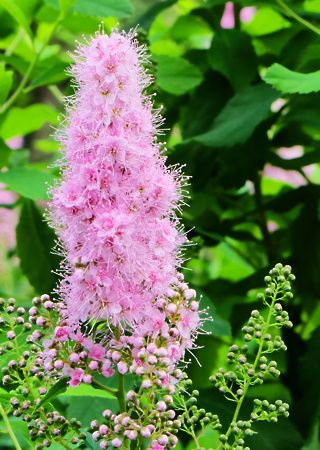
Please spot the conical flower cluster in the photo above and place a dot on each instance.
(115, 208)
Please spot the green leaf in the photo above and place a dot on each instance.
(65, 5)
(93, 445)
(57, 389)
(239, 118)
(19, 16)
(86, 390)
(266, 20)
(219, 327)
(6, 396)
(149, 16)
(22, 121)
(232, 54)
(54, 74)
(35, 241)
(5, 83)
(290, 82)
(176, 75)
(27, 182)
(5, 153)
(98, 8)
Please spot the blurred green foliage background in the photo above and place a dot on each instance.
(240, 85)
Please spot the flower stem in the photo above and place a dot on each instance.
(297, 17)
(256, 361)
(10, 430)
(120, 392)
(105, 388)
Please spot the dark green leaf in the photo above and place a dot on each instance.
(204, 105)
(219, 327)
(85, 411)
(57, 389)
(35, 241)
(93, 445)
(232, 54)
(5, 153)
(145, 21)
(22, 121)
(14, 10)
(239, 118)
(176, 75)
(28, 182)
(53, 75)
(5, 83)
(290, 82)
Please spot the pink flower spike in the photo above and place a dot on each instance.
(115, 208)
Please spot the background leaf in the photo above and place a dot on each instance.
(289, 82)
(17, 13)
(22, 121)
(231, 53)
(34, 243)
(176, 75)
(5, 83)
(28, 182)
(242, 114)
(98, 8)
(57, 389)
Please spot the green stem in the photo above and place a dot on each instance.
(10, 430)
(297, 17)
(105, 388)
(256, 361)
(33, 63)
(120, 392)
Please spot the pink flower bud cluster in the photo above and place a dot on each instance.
(115, 208)
(152, 350)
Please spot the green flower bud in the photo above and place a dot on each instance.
(248, 432)
(234, 348)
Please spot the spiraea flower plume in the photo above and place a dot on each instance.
(115, 210)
